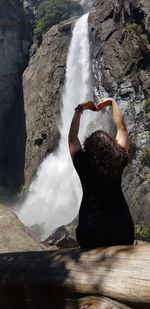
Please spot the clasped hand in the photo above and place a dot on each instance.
(90, 105)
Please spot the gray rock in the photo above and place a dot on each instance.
(14, 236)
(121, 69)
(37, 230)
(15, 41)
(43, 82)
(63, 237)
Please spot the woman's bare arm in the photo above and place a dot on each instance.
(122, 133)
(73, 140)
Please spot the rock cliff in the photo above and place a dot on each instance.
(120, 54)
(43, 82)
(15, 41)
(120, 33)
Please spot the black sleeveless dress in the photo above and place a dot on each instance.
(104, 216)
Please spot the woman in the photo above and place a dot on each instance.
(104, 217)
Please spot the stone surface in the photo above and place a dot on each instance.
(43, 82)
(121, 68)
(17, 19)
(63, 237)
(14, 237)
(15, 41)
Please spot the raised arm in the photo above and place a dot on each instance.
(122, 133)
(73, 140)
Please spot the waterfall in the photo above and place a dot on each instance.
(55, 194)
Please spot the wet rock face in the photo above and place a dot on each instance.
(120, 33)
(43, 82)
(14, 48)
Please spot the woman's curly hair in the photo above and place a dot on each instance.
(106, 157)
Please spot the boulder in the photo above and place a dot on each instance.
(14, 236)
(63, 237)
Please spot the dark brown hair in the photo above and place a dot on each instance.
(106, 157)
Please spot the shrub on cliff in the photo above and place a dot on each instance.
(142, 233)
(51, 12)
(135, 29)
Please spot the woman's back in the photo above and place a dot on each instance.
(104, 217)
(104, 213)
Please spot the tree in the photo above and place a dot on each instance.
(51, 12)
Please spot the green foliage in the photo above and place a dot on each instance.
(145, 157)
(51, 12)
(147, 106)
(142, 233)
(134, 28)
(138, 31)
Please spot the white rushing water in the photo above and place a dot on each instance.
(55, 194)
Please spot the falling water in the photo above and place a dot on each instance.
(54, 196)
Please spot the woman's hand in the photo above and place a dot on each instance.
(104, 102)
(90, 105)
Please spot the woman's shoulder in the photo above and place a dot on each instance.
(79, 158)
(79, 155)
